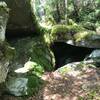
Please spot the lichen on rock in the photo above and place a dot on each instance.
(6, 55)
(6, 52)
(4, 14)
(64, 32)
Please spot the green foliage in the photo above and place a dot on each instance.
(38, 70)
(65, 32)
(87, 10)
(83, 35)
(34, 79)
(36, 49)
(34, 84)
(89, 26)
(59, 32)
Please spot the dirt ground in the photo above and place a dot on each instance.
(84, 86)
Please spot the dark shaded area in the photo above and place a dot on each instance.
(66, 53)
(10, 34)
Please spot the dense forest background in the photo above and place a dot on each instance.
(78, 10)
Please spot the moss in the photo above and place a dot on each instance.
(64, 32)
(34, 84)
(83, 35)
(7, 50)
(71, 22)
(39, 53)
(89, 26)
(36, 49)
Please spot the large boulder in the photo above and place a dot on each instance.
(6, 51)
(87, 38)
(33, 58)
(6, 55)
(63, 33)
(22, 19)
(34, 49)
(75, 35)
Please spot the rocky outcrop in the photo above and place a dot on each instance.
(89, 39)
(33, 58)
(4, 14)
(22, 19)
(6, 52)
(76, 35)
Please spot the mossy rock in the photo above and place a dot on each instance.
(84, 35)
(4, 14)
(89, 26)
(71, 22)
(6, 57)
(64, 32)
(88, 39)
(36, 50)
(42, 59)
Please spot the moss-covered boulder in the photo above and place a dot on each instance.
(22, 19)
(64, 32)
(34, 49)
(89, 25)
(33, 58)
(87, 38)
(6, 52)
(6, 55)
(4, 14)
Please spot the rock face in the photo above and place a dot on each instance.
(89, 39)
(4, 13)
(6, 54)
(75, 35)
(22, 19)
(5, 49)
(33, 49)
(33, 57)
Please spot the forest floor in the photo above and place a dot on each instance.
(82, 87)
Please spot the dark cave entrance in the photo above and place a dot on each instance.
(65, 53)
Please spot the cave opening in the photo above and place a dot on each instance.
(65, 53)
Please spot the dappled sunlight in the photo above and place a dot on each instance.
(45, 25)
(71, 88)
(29, 65)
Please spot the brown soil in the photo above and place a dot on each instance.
(85, 86)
